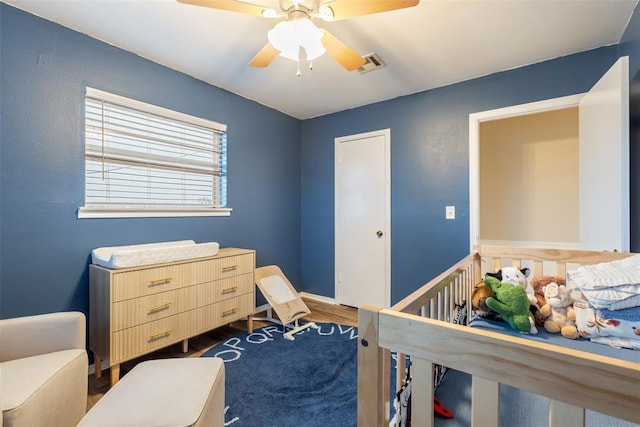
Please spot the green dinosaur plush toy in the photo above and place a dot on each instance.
(512, 303)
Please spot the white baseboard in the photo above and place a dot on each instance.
(319, 298)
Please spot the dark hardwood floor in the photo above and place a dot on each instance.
(320, 312)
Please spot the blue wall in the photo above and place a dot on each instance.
(45, 249)
(429, 165)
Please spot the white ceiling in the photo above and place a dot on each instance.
(434, 44)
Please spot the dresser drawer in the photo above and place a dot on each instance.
(232, 266)
(225, 311)
(133, 312)
(148, 281)
(142, 339)
(219, 290)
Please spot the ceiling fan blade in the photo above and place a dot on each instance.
(230, 5)
(342, 53)
(265, 56)
(343, 9)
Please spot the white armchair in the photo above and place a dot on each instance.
(43, 370)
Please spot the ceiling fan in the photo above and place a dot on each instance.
(298, 31)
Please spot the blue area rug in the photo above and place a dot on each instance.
(271, 381)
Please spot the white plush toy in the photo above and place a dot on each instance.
(518, 278)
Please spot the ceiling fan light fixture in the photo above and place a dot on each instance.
(314, 50)
(289, 36)
(306, 30)
(284, 40)
(282, 36)
(291, 52)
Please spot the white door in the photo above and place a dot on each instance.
(362, 218)
(604, 162)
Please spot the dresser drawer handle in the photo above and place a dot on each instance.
(229, 268)
(160, 307)
(162, 281)
(230, 290)
(159, 335)
(229, 312)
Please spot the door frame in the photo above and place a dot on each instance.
(474, 155)
(386, 133)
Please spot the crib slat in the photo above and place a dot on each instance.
(537, 269)
(401, 366)
(497, 265)
(422, 393)
(562, 269)
(485, 402)
(450, 302)
(373, 372)
(564, 415)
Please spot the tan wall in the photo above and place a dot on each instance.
(529, 178)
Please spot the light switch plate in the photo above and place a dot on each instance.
(450, 212)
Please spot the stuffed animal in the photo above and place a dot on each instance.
(519, 277)
(478, 302)
(512, 303)
(558, 310)
(539, 282)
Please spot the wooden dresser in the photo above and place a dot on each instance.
(133, 311)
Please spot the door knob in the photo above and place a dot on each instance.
(379, 233)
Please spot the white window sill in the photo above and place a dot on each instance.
(147, 212)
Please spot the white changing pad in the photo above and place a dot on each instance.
(151, 253)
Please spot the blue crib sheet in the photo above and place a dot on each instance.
(557, 339)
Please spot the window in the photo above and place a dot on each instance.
(142, 160)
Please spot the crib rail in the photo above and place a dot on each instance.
(421, 325)
(459, 279)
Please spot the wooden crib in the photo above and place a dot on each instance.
(422, 326)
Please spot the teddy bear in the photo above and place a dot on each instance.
(558, 310)
(538, 282)
(512, 303)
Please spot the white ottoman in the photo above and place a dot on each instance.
(166, 392)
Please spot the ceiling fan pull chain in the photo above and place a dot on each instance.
(311, 65)
(298, 73)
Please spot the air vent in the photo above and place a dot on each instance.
(373, 62)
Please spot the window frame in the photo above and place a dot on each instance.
(142, 211)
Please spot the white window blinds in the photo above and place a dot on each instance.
(142, 157)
